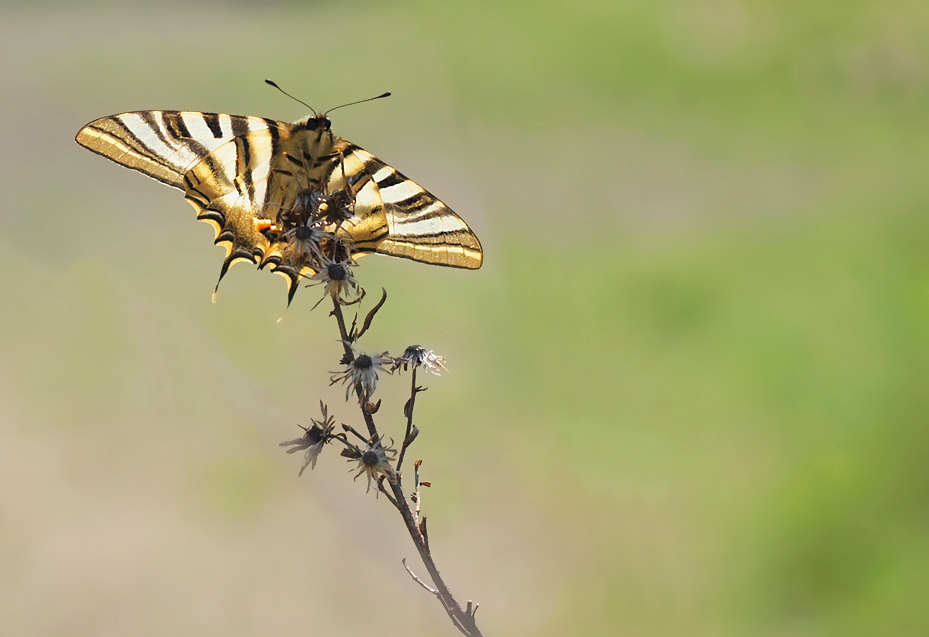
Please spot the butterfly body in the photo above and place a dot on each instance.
(280, 195)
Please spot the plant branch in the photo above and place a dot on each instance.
(346, 339)
(463, 619)
(408, 411)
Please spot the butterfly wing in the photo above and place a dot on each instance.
(164, 144)
(229, 188)
(396, 216)
(220, 161)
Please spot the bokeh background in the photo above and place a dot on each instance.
(688, 390)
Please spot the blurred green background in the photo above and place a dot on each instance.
(688, 389)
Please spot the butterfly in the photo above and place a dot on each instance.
(285, 196)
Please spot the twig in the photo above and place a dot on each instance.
(462, 619)
(348, 358)
(380, 487)
(408, 411)
(417, 497)
(354, 431)
(346, 341)
(417, 580)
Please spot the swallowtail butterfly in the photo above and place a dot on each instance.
(267, 186)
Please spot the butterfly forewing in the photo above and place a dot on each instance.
(162, 144)
(419, 226)
(247, 175)
(396, 216)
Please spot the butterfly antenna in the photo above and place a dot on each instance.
(271, 83)
(370, 99)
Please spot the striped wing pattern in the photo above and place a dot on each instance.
(228, 187)
(398, 217)
(164, 144)
(240, 172)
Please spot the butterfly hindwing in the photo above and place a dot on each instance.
(228, 188)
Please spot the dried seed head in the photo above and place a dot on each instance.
(417, 356)
(338, 280)
(375, 462)
(313, 440)
(337, 271)
(303, 233)
(338, 207)
(361, 374)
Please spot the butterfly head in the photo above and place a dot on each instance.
(314, 123)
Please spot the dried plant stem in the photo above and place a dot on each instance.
(409, 419)
(463, 619)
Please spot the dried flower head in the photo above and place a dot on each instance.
(338, 207)
(313, 439)
(416, 356)
(338, 280)
(375, 461)
(306, 205)
(305, 242)
(361, 374)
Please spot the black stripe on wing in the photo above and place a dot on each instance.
(416, 225)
